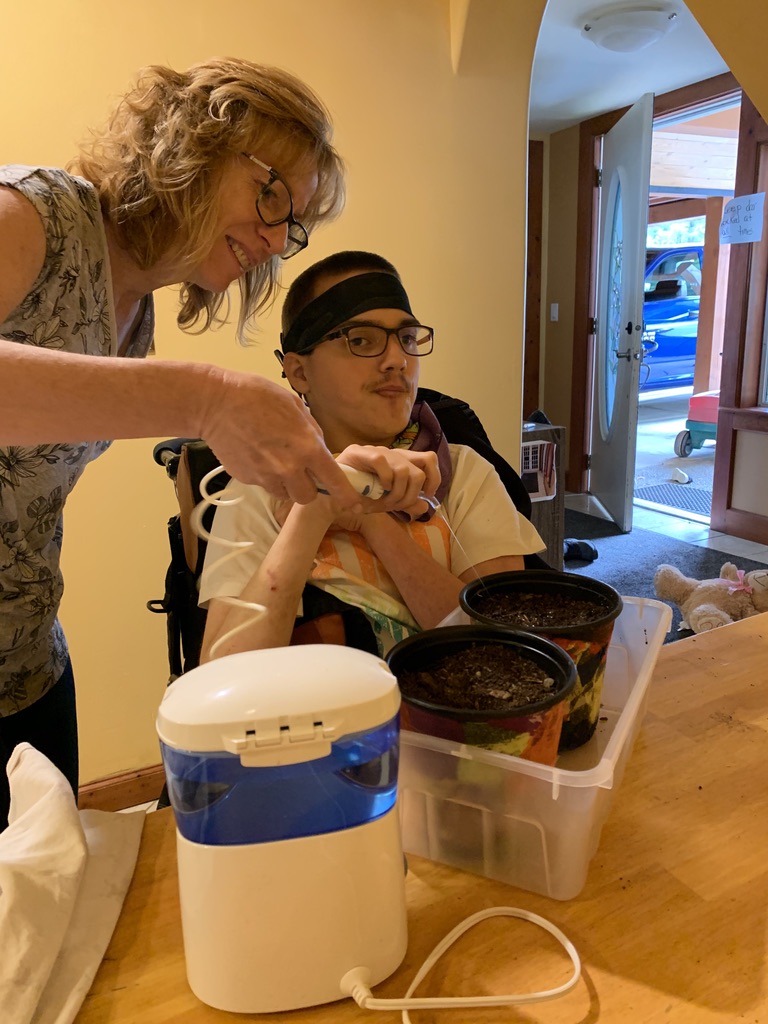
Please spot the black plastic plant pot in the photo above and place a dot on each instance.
(586, 642)
(531, 731)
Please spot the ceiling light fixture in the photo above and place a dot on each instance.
(629, 29)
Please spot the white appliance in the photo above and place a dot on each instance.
(282, 772)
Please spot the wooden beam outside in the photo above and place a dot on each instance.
(676, 209)
(714, 287)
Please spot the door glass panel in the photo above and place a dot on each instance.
(613, 312)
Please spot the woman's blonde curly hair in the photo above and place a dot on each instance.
(157, 164)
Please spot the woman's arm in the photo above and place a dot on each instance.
(260, 432)
(22, 249)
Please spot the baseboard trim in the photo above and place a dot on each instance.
(127, 789)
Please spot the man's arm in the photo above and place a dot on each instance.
(508, 563)
(428, 589)
(277, 584)
(487, 528)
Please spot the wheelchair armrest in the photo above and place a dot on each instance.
(167, 453)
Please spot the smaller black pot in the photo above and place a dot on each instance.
(531, 731)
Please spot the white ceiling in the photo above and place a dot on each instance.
(573, 79)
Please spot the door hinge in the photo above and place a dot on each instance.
(588, 461)
(592, 325)
(598, 177)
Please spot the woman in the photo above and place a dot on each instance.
(202, 179)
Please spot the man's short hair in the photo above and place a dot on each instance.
(306, 286)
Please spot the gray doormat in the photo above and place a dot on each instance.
(683, 496)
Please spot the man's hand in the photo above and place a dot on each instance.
(406, 476)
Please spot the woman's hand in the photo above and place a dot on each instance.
(262, 434)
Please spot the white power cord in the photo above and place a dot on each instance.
(355, 982)
(196, 522)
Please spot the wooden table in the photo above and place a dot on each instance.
(672, 923)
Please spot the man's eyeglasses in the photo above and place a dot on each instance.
(370, 340)
(274, 204)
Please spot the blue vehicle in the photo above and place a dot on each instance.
(671, 316)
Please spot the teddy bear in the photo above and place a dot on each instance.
(706, 604)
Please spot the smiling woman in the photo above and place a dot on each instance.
(242, 240)
(164, 196)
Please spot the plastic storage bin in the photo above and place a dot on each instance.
(527, 824)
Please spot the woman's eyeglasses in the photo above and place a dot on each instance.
(274, 204)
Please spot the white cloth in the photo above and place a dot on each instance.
(63, 880)
(477, 521)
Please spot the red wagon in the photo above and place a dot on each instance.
(701, 424)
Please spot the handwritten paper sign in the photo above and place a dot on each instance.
(742, 219)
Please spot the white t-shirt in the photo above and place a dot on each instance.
(476, 522)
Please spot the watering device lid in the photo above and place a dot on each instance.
(279, 706)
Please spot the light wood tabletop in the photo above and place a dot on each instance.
(671, 926)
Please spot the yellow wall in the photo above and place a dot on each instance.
(436, 160)
(739, 29)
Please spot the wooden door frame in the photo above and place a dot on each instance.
(532, 346)
(745, 325)
(590, 135)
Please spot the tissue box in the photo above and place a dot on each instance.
(523, 823)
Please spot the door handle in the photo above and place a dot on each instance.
(629, 354)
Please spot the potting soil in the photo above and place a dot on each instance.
(532, 611)
(482, 677)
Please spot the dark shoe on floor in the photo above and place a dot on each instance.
(578, 550)
(537, 416)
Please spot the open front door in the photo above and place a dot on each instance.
(626, 172)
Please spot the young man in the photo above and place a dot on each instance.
(351, 348)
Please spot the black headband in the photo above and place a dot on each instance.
(344, 300)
